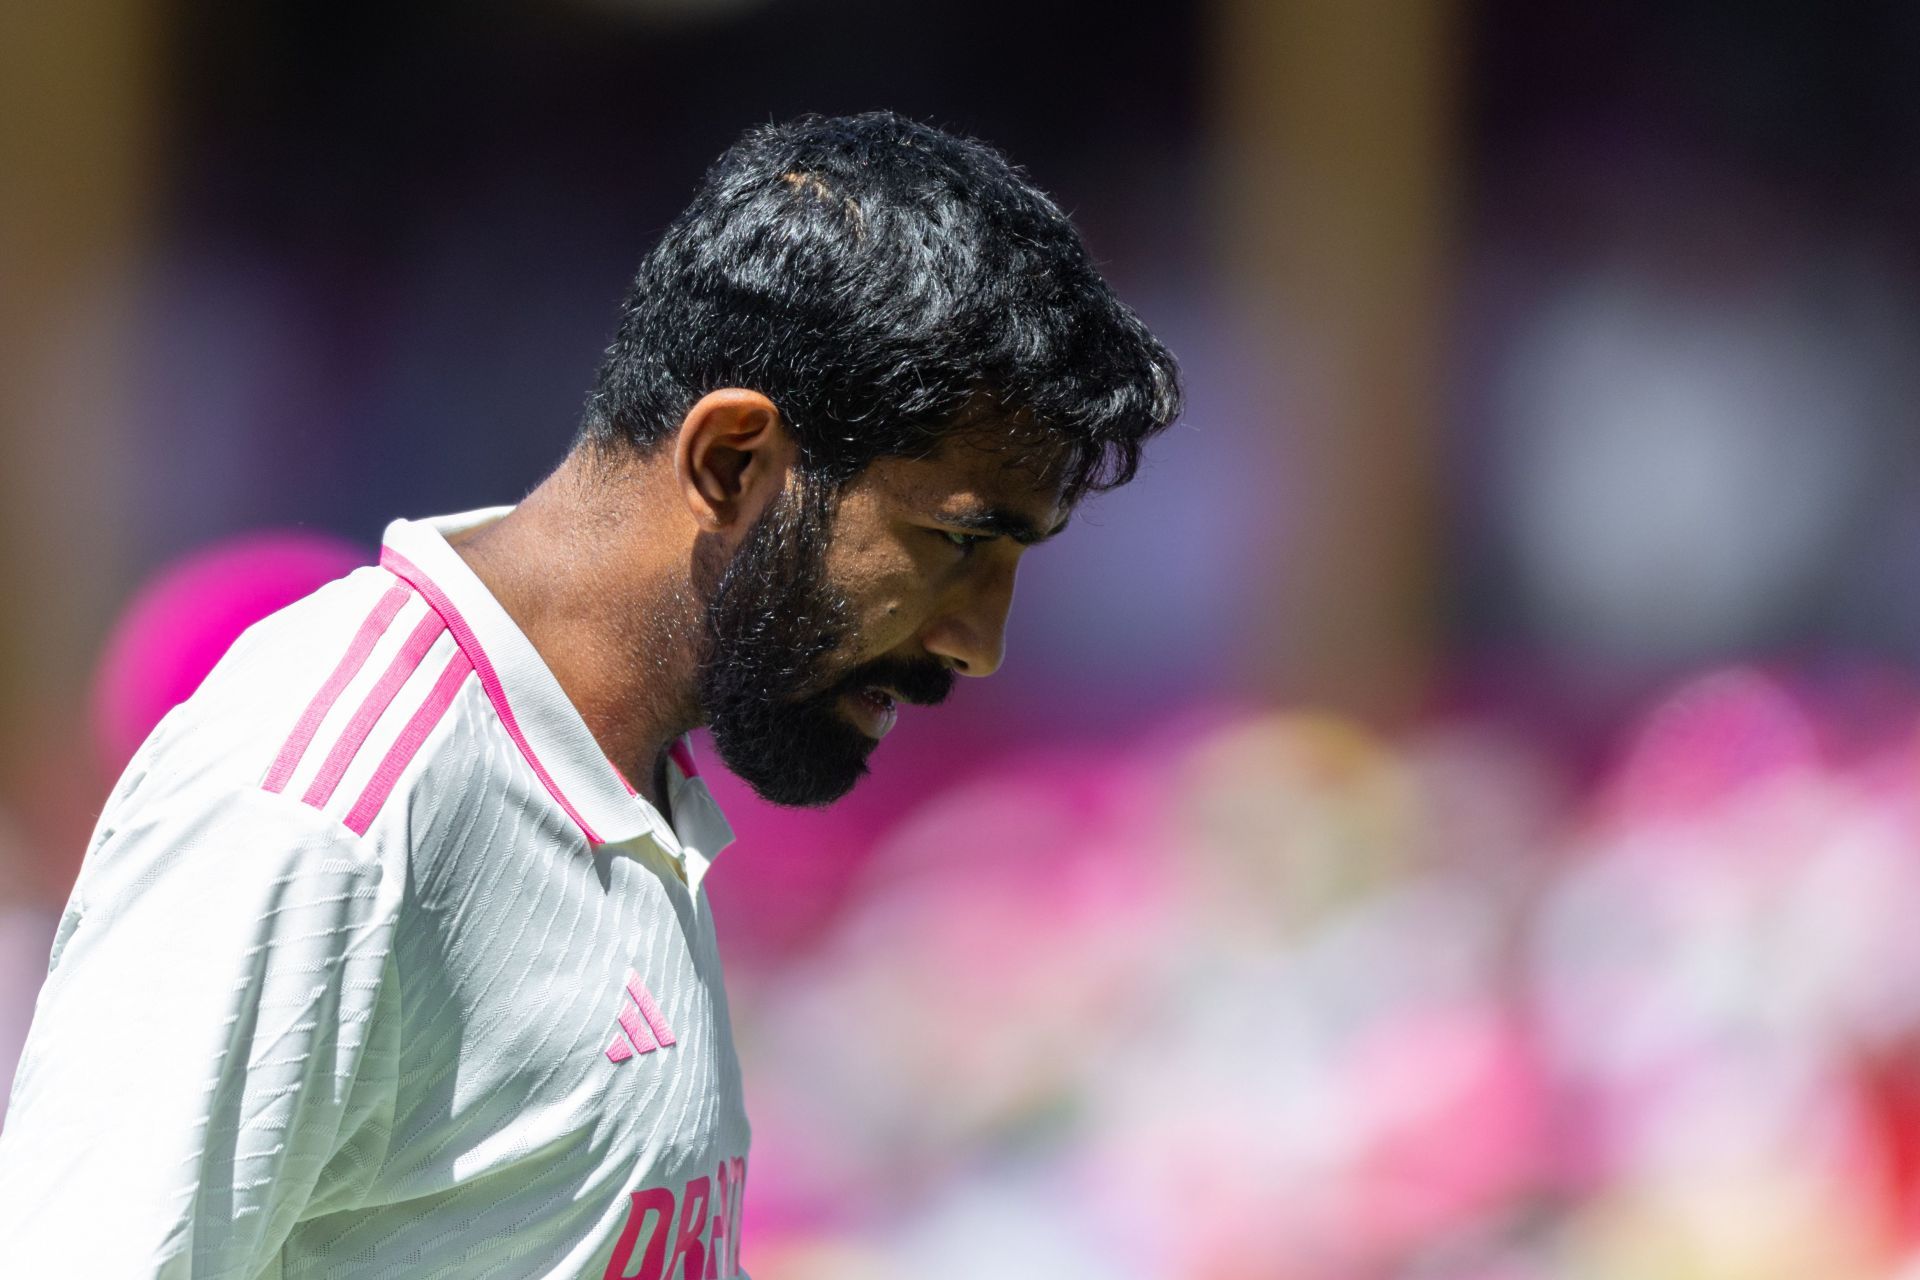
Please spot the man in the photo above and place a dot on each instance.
(390, 955)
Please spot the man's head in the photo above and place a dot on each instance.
(882, 364)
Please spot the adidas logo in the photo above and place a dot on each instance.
(642, 1026)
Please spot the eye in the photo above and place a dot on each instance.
(965, 541)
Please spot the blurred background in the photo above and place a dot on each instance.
(1453, 818)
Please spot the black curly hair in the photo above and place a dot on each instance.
(885, 284)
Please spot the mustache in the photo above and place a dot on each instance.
(925, 683)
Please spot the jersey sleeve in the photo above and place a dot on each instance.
(214, 1049)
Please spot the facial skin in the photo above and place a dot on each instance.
(707, 581)
(824, 622)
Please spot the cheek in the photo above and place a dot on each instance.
(889, 612)
(886, 573)
(888, 597)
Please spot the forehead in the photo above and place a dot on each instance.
(974, 469)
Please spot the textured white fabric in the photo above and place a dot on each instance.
(270, 1045)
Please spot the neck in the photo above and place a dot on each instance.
(584, 570)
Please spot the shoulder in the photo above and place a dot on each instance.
(324, 706)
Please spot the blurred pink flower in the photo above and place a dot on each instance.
(181, 623)
(1712, 737)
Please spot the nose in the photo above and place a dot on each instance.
(972, 635)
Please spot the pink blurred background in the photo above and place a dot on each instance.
(1453, 818)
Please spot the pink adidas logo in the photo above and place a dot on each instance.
(635, 1035)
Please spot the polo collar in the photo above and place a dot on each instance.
(535, 712)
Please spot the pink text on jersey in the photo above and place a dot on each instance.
(700, 1242)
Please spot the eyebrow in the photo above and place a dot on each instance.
(1002, 522)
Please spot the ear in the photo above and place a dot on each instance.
(731, 458)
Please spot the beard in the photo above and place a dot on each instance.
(772, 670)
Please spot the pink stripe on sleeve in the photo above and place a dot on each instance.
(437, 600)
(425, 632)
(351, 661)
(407, 745)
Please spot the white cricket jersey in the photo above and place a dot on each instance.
(377, 967)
